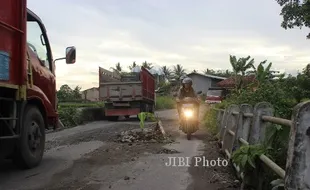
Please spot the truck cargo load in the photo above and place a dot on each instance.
(131, 94)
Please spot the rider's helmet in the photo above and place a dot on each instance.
(187, 80)
(182, 78)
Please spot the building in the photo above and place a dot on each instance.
(91, 94)
(203, 82)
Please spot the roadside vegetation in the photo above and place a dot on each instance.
(283, 92)
(165, 102)
(74, 110)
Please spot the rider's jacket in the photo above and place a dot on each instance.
(183, 93)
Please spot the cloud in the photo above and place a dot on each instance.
(196, 34)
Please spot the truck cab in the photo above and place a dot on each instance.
(28, 101)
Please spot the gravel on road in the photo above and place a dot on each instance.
(120, 156)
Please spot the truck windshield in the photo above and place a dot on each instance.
(214, 93)
(36, 42)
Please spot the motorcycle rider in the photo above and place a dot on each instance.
(181, 79)
(186, 91)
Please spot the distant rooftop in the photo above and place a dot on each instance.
(208, 76)
(230, 82)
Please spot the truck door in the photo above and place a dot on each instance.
(41, 60)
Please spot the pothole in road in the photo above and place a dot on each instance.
(168, 151)
(148, 135)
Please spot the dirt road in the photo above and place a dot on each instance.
(89, 157)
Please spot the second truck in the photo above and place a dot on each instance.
(126, 95)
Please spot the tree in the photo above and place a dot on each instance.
(220, 73)
(265, 74)
(306, 70)
(147, 65)
(166, 71)
(240, 66)
(297, 86)
(76, 93)
(66, 94)
(118, 67)
(296, 13)
(132, 66)
(178, 71)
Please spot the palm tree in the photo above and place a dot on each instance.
(133, 65)
(240, 66)
(263, 74)
(209, 72)
(306, 70)
(166, 71)
(147, 65)
(117, 68)
(178, 71)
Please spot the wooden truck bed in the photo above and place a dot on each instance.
(121, 91)
(129, 95)
(12, 43)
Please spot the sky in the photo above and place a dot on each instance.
(197, 34)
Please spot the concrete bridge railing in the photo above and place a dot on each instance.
(244, 125)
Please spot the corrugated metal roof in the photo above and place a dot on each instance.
(208, 76)
(230, 82)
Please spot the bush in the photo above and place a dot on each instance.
(210, 121)
(165, 102)
(73, 114)
(283, 103)
(80, 105)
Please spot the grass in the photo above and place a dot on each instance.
(71, 116)
(210, 121)
(80, 105)
(165, 102)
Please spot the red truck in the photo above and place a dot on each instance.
(28, 102)
(127, 95)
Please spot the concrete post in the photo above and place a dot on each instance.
(257, 132)
(224, 122)
(232, 122)
(244, 124)
(219, 118)
(298, 156)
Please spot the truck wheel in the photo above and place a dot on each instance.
(152, 108)
(30, 145)
(113, 118)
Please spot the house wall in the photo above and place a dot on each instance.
(202, 83)
(91, 94)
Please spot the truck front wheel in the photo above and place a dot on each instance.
(30, 146)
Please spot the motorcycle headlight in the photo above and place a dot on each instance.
(188, 113)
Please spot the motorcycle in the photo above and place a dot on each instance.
(189, 123)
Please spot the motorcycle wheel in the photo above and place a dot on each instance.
(189, 135)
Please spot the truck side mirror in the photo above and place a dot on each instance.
(70, 55)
